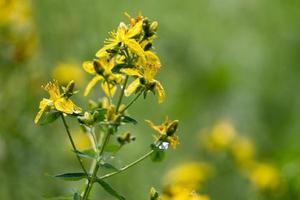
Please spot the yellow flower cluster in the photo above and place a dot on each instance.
(182, 182)
(19, 37)
(223, 137)
(127, 53)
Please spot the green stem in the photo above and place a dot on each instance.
(95, 170)
(128, 166)
(132, 101)
(122, 94)
(73, 144)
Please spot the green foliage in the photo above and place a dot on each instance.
(109, 189)
(77, 176)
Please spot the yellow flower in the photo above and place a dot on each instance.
(101, 69)
(181, 193)
(221, 136)
(145, 76)
(265, 177)
(57, 101)
(82, 141)
(243, 151)
(124, 37)
(65, 72)
(190, 175)
(166, 131)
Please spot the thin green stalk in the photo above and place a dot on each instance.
(132, 101)
(95, 170)
(128, 166)
(122, 94)
(73, 144)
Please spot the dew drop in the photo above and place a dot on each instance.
(163, 146)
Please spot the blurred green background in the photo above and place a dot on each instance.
(234, 59)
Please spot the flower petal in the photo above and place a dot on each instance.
(91, 84)
(160, 91)
(135, 47)
(137, 29)
(131, 72)
(132, 87)
(109, 89)
(43, 106)
(64, 105)
(88, 66)
(102, 52)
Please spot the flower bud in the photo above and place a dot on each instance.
(172, 128)
(153, 27)
(153, 194)
(98, 67)
(86, 119)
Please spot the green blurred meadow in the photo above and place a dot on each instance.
(235, 60)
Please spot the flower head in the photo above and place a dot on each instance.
(166, 131)
(145, 74)
(101, 69)
(57, 100)
(125, 37)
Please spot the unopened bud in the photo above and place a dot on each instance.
(153, 194)
(172, 128)
(98, 67)
(153, 27)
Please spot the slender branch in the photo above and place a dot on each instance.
(122, 94)
(128, 166)
(73, 144)
(132, 101)
(95, 170)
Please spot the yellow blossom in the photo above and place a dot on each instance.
(265, 177)
(124, 36)
(243, 151)
(56, 101)
(166, 131)
(146, 73)
(82, 141)
(189, 175)
(101, 69)
(65, 72)
(221, 136)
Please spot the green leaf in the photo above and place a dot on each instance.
(112, 148)
(90, 154)
(158, 156)
(50, 117)
(127, 119)
(108, 166)
(110, 190)
(72, 176)
(99, 114)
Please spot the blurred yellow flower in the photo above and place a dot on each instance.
(182, 194)
(221, 136)
(265, 177)
(82, 141)
(166, 131)
(243, 151)
(190, 175)
(145, 76)
(15, 21)
(57, 101)
(65, 72)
